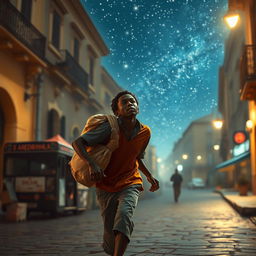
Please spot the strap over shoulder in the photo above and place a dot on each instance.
(114, 139)
(113, 122)
(94, 121)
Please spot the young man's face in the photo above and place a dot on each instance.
(127, 106)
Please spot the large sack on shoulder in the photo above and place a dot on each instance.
(101, 154)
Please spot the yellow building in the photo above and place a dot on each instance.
(22, 59)
(51, 78)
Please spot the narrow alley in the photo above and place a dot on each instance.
(201, 223)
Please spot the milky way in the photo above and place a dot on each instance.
(168, 53)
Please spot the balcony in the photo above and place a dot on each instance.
(248, 73)
(70, 68)
(19, 34)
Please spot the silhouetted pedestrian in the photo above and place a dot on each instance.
(176, 178)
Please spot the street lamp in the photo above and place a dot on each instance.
(180, 167)
(217, 124)
(249, 125)
(232, 19)
(216, 147)
(199, 157)
(185, 156)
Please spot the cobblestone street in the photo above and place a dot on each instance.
(202, 223)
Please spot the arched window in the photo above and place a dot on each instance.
(53, 123)
(75, 133)
(1, 126)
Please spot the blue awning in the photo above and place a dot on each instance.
(233, 160)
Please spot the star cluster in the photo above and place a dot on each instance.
(168, 53)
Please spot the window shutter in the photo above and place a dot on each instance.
(1, 126)
(63, 126)
(26, 8)
(91, 70)
(76, 49)
(50, 123)
(56, 30)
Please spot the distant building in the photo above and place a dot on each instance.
(196, 152)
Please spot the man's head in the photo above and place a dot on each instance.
(125, 104)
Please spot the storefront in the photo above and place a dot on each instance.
(228, 172)
(40, 176)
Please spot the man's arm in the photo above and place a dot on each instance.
(99, 135)
(154, 182)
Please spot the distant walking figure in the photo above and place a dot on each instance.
(176, 178)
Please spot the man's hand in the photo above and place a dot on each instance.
(154, 183)
(96, 173)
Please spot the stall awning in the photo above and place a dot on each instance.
(229, 163)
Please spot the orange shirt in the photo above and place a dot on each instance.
(122, 170)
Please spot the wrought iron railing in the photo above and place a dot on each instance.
(73, 70)
(248, 65)
(18, 25)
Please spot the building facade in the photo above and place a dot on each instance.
(236, 158)
(247, 70)
(51, 78)
(196, 152)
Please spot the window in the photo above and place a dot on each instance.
(56, 27)
(91, 71)
(31, 165)
(1, 126)
(76, 49)
(26, 7)
(107, 99)
(75, 133)
(63, 126)
(53, 123)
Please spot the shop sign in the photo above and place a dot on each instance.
(30, 184)
(239, 137)
(241, 148)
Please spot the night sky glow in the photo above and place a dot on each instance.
(168, 53)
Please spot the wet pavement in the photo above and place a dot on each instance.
(202, 223)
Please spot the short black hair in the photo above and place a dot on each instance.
(115, 100)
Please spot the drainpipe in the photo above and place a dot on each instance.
(38, 119)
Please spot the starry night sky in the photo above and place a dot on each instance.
(168, 53)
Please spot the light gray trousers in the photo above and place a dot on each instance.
(117, 209)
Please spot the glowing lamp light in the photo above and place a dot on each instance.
(199, 157)
(159, 160)
(232, 19)
(249, 125)
(216, 147)
(185, 156)
(180, 167)
(218, 124)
